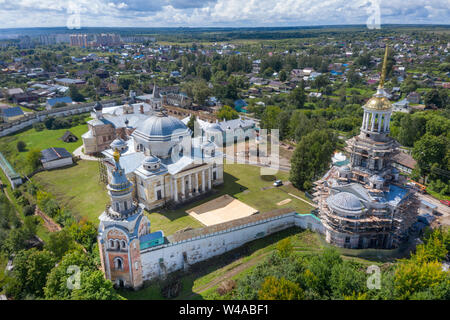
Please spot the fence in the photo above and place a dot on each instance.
(14, 178)
(11, 127)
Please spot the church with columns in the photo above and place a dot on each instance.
(166, 164)
(367, 204)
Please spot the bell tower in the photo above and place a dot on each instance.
(121, 226)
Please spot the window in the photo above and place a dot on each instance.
(213, 152)
(125, 204)
(117, 207)
(158, 195)
(136, 265)
(214, 175)
(118, 263)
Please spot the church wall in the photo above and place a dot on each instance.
(159, 261)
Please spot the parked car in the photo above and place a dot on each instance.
(278, 183)
(446, 202)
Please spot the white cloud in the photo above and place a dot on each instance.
(196, 13)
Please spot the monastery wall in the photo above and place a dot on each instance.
(8, 128)
(159, 261)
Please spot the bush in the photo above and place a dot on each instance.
(17, 193)
(38, 126)
(28, 210)
(21, 146)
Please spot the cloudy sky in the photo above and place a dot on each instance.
(216, 13)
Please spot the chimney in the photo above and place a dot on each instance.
(142, 108)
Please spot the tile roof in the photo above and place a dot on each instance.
(52, 154)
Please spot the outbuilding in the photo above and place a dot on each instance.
(55, 158)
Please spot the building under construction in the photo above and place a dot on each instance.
(366, 204)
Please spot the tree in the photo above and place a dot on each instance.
(75, 94)
(191, 123)
(345, 280)
(59, 243)
(85, 233)
(21, 146)
(311, 158)
(56, 285)
(31, 268)
(34, 159)
(283, 76)
(409, 85)
(227, 113)
(429, 150)
(285, 247)
(297, 97)
(280, 289)
(94, 286)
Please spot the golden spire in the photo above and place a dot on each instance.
(383, 70)
(116, 155)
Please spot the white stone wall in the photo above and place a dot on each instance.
(57, 163)
(40, 116)
(159, 261)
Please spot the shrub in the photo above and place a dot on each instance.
(21, 146)
(28, 210)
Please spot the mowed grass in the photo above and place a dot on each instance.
(77, 188)
(37, 140)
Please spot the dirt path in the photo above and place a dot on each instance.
(49, 224)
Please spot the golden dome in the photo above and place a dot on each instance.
(378, 103)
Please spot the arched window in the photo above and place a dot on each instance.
(118, 263)
(123, 244)
(111, 244)
(117, 207)
(125, 205)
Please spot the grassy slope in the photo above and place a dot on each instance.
(77, 188)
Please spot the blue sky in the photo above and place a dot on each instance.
(217, 13)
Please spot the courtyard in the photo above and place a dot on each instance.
(78, 188)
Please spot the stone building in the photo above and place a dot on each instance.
(366, 204)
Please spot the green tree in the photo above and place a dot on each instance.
(227, 113)
(59, 243)
(280, 289)
(31, 268)
(429, 150)
(34, 159)
(297, 97)
(21, 146)
(94, 286)
(75, 94)
(311, 158)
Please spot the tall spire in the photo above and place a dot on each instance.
(383, 70)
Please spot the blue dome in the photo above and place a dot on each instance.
(151, 159)
(161, 125)
(119, 181)
(345, 201)
(118, 143)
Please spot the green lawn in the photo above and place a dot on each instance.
(77, 187)
(242, 182)
(37, 140)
